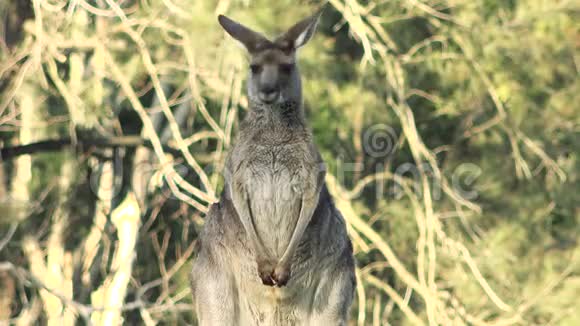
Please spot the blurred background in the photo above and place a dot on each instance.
(450, 129)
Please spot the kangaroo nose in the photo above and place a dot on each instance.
(268, 90)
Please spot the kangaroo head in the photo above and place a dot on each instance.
(273, 74)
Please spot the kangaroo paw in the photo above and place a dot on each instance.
(281, 275)
(266, 272)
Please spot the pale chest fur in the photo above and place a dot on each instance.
(275, 178)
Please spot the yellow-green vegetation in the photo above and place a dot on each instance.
(450, 129)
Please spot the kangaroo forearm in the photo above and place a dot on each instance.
(306, 211)
(307, 208)
(243, 208)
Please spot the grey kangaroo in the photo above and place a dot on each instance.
(274, 251)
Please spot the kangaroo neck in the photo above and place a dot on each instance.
(287, 114)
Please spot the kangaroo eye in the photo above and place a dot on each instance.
(255, 68)
(286, 67)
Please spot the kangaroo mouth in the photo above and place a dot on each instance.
(269, 98)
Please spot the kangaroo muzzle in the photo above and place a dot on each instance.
(268, 94)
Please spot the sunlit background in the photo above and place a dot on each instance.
(450, 129)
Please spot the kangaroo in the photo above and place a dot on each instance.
(274, 250)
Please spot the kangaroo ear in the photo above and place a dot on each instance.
(301, 33)
(250, 39)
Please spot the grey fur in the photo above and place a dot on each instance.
(274, 250)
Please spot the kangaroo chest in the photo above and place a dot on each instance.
(276, 179)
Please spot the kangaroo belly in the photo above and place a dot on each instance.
(275, 200)
(287, 306)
